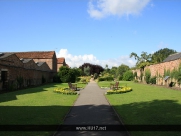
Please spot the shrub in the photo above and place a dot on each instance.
(153, 80)
(11, 86)
(20, 81)
(95, 75)
(78, 79)
(85, 79)
(120, 77)
(66, 74)
(109, 78)
(106, 78)
(128, 76)
(147, 76)
(101, 79)
(56, 79)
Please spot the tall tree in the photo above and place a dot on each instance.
(93, 68)
(87, 71)
(113, 71)
(120, 71)
(142, 60)
(161, 54)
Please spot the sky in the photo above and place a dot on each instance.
(90, 31)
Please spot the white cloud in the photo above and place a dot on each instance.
(76, 61)
(101, 8)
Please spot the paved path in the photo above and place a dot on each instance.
(92, 108)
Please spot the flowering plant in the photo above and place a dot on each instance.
(119, 91)
(65, 91)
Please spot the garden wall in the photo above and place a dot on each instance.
(158, 71)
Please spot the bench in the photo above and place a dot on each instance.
(114, 86)
(72, 86)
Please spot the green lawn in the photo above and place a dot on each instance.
(147, 105)
(35, 106)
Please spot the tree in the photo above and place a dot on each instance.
(147, 75)
(143, 60)
(161, 54)
(93, 68)
(67, 74)
(120, 71)
(113, 71)
(87, 71)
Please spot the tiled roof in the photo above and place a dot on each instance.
(4, 55)
(173, 57)
(60, 60)
(40, 63)
(36, 55)
(25, 60)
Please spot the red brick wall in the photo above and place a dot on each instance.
(30, 65)
(15, 68)
(11, 60)
(52, 63)
(158, 70)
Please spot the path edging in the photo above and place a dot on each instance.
(118, 116)
(66, 115)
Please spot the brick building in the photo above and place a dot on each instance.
(41, 56)
(61, 62)
(22, 69)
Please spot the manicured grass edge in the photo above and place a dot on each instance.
(120, 119)
(56, 132)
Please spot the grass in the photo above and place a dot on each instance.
(35, 106)
(147, 105)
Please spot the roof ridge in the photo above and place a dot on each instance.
(32, 51)
(175, 53)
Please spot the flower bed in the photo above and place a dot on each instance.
(121, 90)
(66, 91)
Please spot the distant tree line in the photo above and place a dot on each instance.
(66, 74)
(146, 59)
(122, 72)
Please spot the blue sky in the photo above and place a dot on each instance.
(95, 31)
